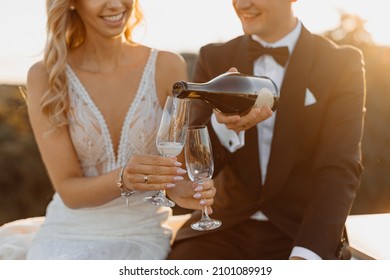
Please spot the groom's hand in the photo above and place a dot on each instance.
(240, 123)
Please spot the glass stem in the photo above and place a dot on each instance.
(205, 216)
(161, 193)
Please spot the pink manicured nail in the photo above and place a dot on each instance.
(181, 171)
(169, 186)
(198, 188)
(178, 178)
(177, 163)
(197, 195)
(202, 202)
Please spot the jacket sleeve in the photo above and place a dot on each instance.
(337, 163)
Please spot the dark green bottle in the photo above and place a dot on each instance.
(231, 93)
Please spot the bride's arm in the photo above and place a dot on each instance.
(63, 166)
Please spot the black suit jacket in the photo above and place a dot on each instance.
(315, 162)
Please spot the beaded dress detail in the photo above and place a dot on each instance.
(110, 231)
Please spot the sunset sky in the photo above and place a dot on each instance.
(176, 25)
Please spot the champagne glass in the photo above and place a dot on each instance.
(170, 138)
(200, 167)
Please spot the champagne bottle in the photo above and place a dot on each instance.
(231, 93)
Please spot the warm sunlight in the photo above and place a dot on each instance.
(377, 24)
(373, 12)
(86, 144)
(177, 25)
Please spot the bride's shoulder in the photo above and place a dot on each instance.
(37, 77)
(171, 66)
(37, 71)
(170, 59)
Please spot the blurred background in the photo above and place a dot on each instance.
(184, 26)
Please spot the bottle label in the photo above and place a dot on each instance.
(265, 97)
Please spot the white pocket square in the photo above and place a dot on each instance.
(309, 98)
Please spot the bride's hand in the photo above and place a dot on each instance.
(150, 172)
(194, 196)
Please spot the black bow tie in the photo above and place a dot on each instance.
(256, 50)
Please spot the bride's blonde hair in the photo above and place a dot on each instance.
(65, 31)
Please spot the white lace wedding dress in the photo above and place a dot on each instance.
(111, 231)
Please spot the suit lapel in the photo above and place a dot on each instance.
(241, 61)
(289, 118)
(247, 157)
(248, 165)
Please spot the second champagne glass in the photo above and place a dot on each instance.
(171, 137)
(200, 167)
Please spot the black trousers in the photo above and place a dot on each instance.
(250, 240)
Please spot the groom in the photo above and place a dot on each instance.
(286, 184)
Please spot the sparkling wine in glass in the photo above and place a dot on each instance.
(170, 138)
(200, 167)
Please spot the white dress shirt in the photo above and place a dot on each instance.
(264, 66)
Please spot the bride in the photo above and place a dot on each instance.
(95, 103)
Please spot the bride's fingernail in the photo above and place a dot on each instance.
(178, 178)
(202, 202)
(178, 163)
(169, 186)
(181, 171)
(197, 195)
(198, 188)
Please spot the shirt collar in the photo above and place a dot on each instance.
(287, 41)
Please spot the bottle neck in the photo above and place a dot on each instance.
(184, 89)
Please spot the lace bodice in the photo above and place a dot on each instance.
(112, 230)
(89, 131)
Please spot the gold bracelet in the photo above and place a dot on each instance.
(125, 193)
